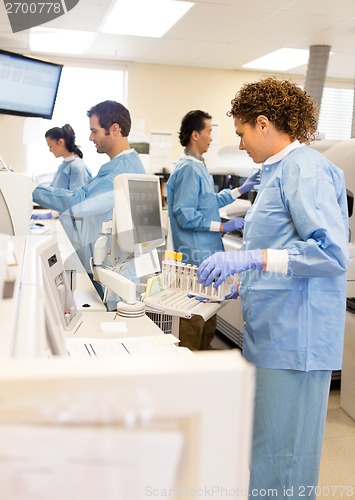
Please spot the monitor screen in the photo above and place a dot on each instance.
(138, 212)
(28, 87)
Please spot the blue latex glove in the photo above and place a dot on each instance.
(197, 297)
(250, 183)
(41, 215)
(223, 264)
(234, 294)
(233, 225)
(204, 299)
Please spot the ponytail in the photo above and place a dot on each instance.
(68, 135)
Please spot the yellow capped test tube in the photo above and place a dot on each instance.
(178, 272)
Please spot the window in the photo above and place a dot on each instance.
(336, 114)
(79, 89)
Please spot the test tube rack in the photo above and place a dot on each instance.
(180, 276)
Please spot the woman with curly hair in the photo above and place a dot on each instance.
(292, 284)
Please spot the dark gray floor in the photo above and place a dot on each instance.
(220, 342)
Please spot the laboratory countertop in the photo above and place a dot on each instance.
(112, 325)
(24, 330)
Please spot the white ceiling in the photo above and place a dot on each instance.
(217, 33)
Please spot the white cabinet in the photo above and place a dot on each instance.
(347, 393)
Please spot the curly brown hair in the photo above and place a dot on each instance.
(290, 109)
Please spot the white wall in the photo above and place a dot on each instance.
(11, 142)
(160, 95)
(163, 94)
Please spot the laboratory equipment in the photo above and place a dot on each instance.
(57, 400)
(45, 306)
(177, 275)
(347, 390)
(342, 155)
(27, 315)
(4, 249)
(138, 212)
(176, 289)
(15, 203)
(230, 160)
(178, 304)
(59, 296)
(41, 313)
(118, 426)
(28, 86)
(136, 230)
(238, 208)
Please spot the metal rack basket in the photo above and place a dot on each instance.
(166, 322)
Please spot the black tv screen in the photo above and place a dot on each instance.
(28, 87)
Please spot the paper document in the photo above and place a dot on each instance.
(146, 263)
(91, 463)
(121, 347)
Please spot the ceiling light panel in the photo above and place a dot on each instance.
(143, 18)
(59, 41)
(280, 60)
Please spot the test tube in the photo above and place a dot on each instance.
(186, 277)
(193, 280)
(179, 271)
(173, 270)
(166, 268)
(163, 268)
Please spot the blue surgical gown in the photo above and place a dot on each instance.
(72, 173)
(192, 205)
(90, 205)
(296, 321)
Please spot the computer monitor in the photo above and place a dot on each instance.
(138, 212)
(166, 427)
(28, 86)
(15, 203)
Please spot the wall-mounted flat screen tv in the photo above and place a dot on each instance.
(28, 87)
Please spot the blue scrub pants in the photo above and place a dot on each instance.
(289, 420)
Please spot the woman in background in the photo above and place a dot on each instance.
(73, 172)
